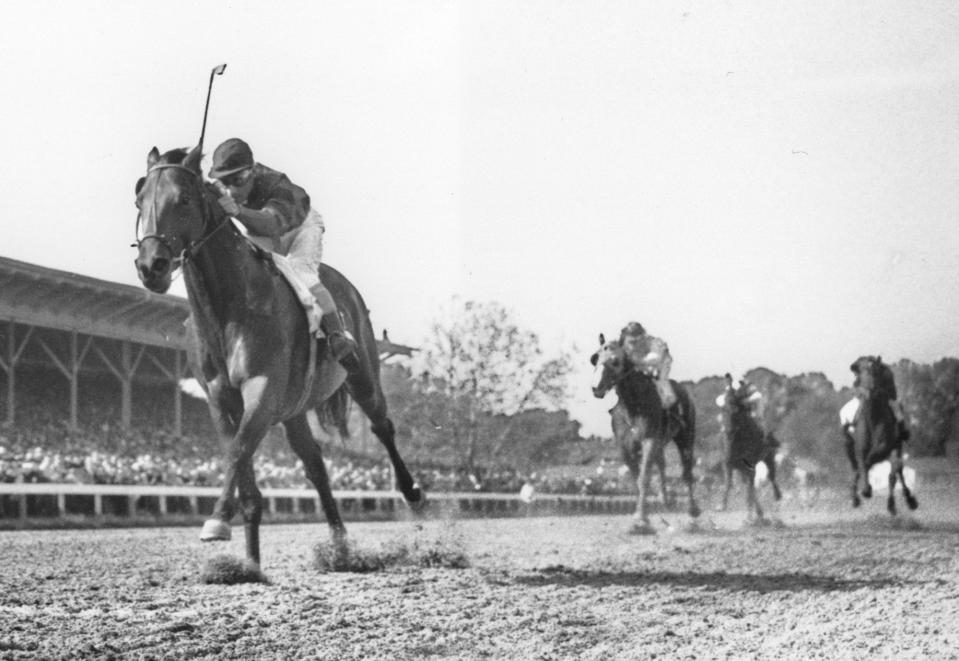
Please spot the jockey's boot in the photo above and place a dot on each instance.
(342, 345)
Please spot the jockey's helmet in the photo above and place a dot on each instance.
(231, 156)
(633, 329)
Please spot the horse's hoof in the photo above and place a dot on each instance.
(642, 528)
(892, 508)
(912, 502)
(417, 501)
(215, 530)
(867, 491)
(856, 502)
(694, 510)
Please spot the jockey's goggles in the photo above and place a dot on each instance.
(237, 179)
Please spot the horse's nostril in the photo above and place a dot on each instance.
(160, 265)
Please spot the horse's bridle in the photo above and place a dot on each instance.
(191, 248)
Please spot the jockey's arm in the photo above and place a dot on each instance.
(261, 223)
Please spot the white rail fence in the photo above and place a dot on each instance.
(27, 502)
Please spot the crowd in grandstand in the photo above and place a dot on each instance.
(41, 447)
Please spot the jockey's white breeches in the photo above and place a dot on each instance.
(301, 251)
(303, 247)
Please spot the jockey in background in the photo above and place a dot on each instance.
(749, 395)
(649, 355)
(276, 211)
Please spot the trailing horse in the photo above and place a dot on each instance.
(251, 347)
(876, 435)
(747, 444)
(641, 426)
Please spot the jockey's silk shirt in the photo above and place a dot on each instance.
(275, 192)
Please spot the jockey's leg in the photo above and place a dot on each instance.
(306, 253)
(666, 392)
(342, 345)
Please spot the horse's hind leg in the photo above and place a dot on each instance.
(661, 467)
(771, 466)
(366, 391)
(301, 440)
(727, 485)
(686, 456)
(907, 494)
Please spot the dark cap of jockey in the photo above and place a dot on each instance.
(231, 156)
(633, 329)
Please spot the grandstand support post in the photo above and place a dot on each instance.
(177, 395)
(126, 386)
(10, 364)
(74, 381)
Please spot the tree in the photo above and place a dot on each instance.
(930, 396)
(484, 365)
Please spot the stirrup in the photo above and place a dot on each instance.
(341, 346)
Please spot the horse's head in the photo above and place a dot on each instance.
(874, 377)
(609, 364)
(170, 200)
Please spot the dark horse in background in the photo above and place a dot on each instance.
(251, 345)
(877, 435)
(747, 444)
(641, 426)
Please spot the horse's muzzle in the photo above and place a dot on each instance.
(156, 274)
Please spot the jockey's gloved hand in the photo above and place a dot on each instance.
(229, 205)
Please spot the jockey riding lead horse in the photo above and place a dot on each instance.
(252, 348)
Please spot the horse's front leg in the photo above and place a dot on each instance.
(686, 456)
(752, 500)
(907, 494)
(238, 471)
(853, 459)
(641, 518)
(226, 410)
(727, 484)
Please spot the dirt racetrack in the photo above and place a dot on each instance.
(828, 583)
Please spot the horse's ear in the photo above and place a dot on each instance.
(192, 159)
(153, 157)
(602, 340)
(140, 183)
(879, 359)
(594, 359)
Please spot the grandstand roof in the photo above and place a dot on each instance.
(40, 296)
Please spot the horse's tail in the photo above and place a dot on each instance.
(334, 413)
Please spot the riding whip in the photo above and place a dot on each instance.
(217, 71)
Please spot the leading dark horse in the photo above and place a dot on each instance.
(251, 343)
(641, 426)
(747, 444)
(876, 436)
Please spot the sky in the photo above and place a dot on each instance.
(759, 183)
